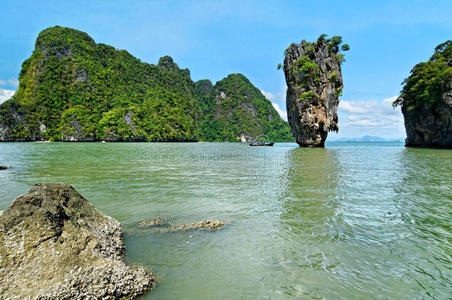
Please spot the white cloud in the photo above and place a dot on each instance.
(5, 95)
(268, 95)
(354, 107)
(369, 107)
(282, 113)
(371, 118)
(14, 82)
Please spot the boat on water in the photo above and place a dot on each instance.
(261, 144)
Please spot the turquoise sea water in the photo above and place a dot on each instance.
(352, 221)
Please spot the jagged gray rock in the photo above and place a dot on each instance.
(55, 245)
(314, 83)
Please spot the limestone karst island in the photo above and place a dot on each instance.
(225, 150)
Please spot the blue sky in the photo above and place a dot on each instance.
(215, 38)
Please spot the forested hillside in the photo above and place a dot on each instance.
(73, 89)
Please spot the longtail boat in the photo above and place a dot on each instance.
(261, 144)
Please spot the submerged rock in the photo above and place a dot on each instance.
(152, 222)
(3, 167)
(314, 84)
(211, 225)
(55, 244)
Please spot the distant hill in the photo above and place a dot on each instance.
(73, 89)
(366, 138)
(235, 110)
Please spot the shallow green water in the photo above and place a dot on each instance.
(352, 221)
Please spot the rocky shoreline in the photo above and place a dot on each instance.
(54, 244)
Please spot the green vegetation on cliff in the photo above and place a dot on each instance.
(307, 71)
(426, 101)
(72, 88)
(428, 81)
(235, 110)
(82, 90)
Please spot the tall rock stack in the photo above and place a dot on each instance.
(314, 84)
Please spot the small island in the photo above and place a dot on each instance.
(426, 101)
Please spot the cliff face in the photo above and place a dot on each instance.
(429, 126)
(235, 110)
(55, 245)
(314, 84)
(426, 101)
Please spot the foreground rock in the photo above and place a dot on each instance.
(152, 222)
(426, 101)
(211, 225)
(314, 84)
(55, 244)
